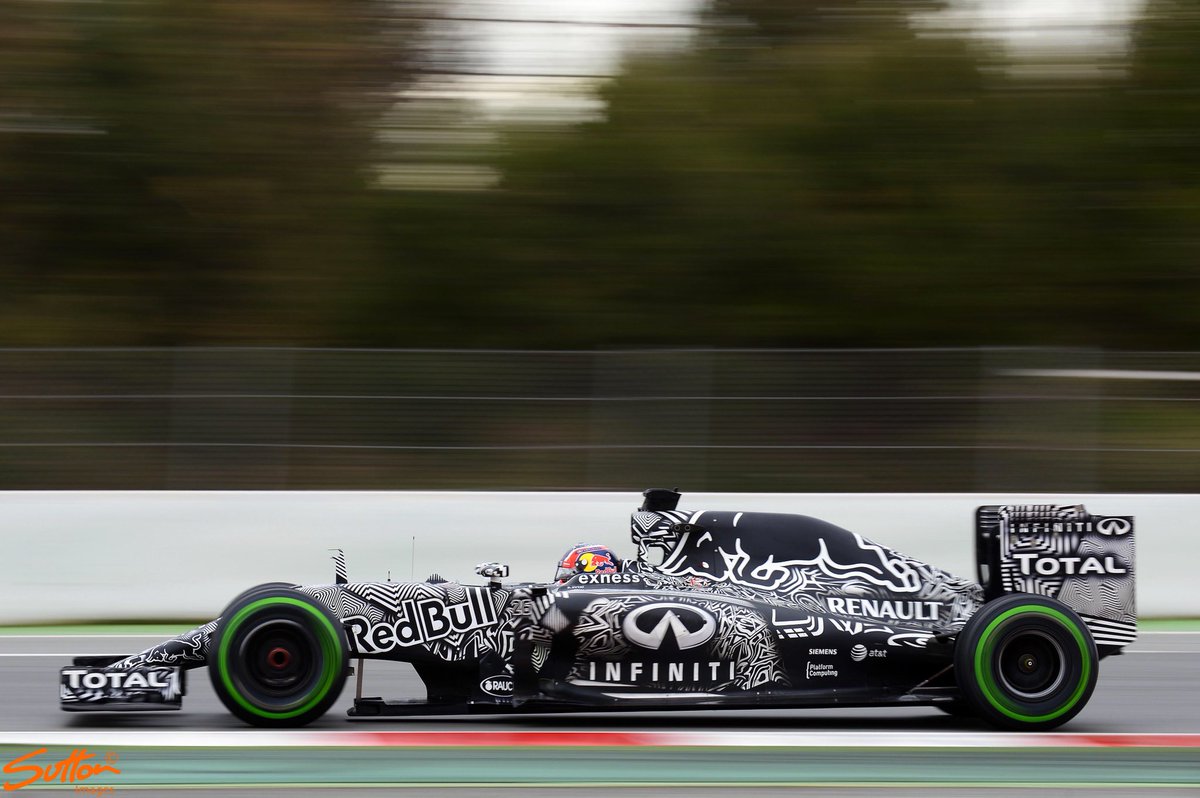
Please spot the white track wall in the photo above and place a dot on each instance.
(158, 555)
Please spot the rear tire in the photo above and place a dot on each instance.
(277, 657)
(1025, 662)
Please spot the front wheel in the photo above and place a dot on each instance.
(277, 657)
(1025, 662)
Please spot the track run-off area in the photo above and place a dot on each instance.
(1141, 730)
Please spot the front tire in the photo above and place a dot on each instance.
(1025, 662)
(277, 657)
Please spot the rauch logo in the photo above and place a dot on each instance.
(80, 765)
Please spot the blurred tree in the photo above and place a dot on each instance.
(798, 177)
(829, 174)
(1154, 174)
(804, 174)
(190, 174)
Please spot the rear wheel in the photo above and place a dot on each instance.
(1025, 662)
(277, 657)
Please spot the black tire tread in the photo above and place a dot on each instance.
(973, 696)
(289, 590)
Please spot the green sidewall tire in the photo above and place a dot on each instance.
(322, 654)
(980, 647)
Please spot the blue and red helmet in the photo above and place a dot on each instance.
(583, 558)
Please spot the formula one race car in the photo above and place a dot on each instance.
(720, 609)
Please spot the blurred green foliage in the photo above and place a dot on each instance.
(188, 173)
(804, 174)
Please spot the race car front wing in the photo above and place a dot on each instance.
(91, 685)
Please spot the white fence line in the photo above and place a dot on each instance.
(168, 555)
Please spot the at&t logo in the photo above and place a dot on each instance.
(860, 652)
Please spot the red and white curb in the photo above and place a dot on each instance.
(586, 739)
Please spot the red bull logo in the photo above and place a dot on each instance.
(592, 562)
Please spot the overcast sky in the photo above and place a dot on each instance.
(529, 65)
(1082, 25)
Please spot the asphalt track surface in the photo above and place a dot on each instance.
(1153, 688)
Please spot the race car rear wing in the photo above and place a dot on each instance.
(1085, 561)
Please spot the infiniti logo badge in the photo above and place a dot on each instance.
(1113, 526)
(651, 625)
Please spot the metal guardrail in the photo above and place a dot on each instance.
(706, 419)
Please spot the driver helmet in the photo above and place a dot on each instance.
(585, 558)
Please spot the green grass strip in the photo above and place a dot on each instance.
(650, 767)
(1169, 624)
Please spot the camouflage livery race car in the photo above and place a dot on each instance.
(719, 609)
